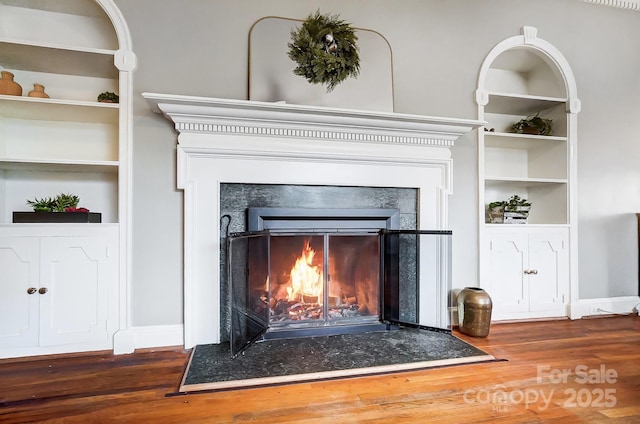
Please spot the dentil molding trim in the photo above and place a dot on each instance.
(620, 4)
(274, 119)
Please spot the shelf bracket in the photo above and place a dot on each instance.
(530, 34)
(125, 60)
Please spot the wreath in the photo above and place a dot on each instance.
(325, 49)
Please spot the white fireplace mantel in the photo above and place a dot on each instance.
(207, 115)
(238, 141)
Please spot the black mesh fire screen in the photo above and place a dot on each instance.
(289, 284)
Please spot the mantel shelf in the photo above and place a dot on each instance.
(242, 117)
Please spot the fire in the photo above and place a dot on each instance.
(306, 278)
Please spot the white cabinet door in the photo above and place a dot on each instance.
(508, 257)
(527, 271)
(18, 291)
(549, 277)
(75, 272)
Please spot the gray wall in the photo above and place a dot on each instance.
(199, 47)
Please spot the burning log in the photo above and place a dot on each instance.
(347, 311)
(306, 298)
(334, 301)
(308, 308)
(296, 311)
(259, 303)
(352, 300)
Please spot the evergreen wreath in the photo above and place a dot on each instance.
(325, 49)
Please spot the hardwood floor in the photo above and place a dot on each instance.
(557, 371)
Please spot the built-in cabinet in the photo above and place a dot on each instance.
(56, 291)
(527, 267)
(66, 143)
(527, 271)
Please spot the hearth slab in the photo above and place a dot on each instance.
(316, 358)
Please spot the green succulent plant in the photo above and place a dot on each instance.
(108, 96)
(533, 125)
(515, 202)
(55, 204)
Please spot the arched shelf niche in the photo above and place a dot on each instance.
(68, 142)
(524, 76)
(531, 66)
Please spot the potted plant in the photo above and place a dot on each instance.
(496, 212)
(517, 204)
(516, 210)
(533, 125)
(510, 211)
(61, 208)
(56, 204)
(108, 97)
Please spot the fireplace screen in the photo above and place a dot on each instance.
(288, 284)
(317, 279)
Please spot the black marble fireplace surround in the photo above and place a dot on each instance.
(365, 272)
(237, 199)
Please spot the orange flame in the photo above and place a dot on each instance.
(306, 278)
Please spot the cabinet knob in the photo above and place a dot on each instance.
(530, 271)
(43, 290)
(32, 290)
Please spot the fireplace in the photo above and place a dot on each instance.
(234, 142)
(317, 280)
(324, 266)
(306, 272)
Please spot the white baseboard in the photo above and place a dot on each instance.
(124, 341)
(604, 306)
(158, 336)
(21, 352)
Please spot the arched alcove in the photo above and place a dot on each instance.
(532, 61)
(527, 259)
(68, 142)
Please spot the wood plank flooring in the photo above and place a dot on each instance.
(583, 371)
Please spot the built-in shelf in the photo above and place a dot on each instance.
(43, 109)
(59, 165)
(68, 142)
(57, 58)
(519, 141)
(522, 182)
(520, 104)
